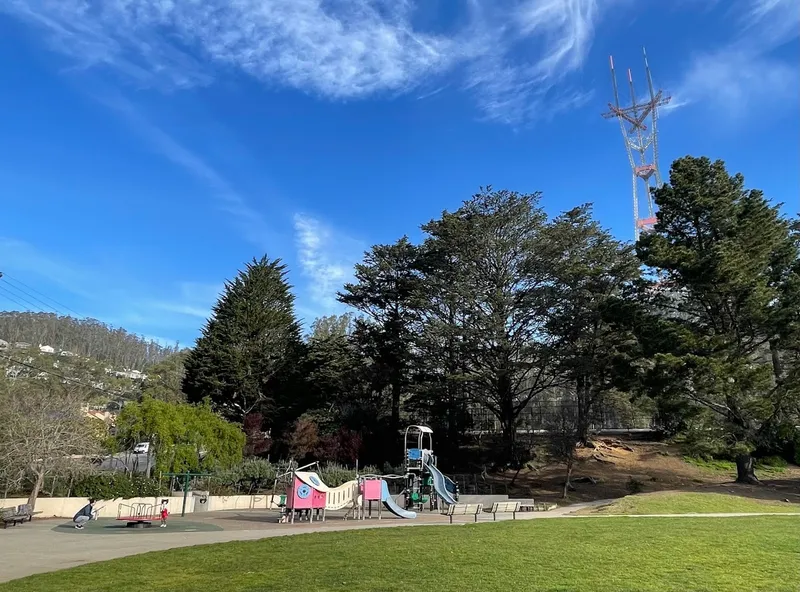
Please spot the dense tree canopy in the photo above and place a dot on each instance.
(182, 437)
(504, 319)
(727, 264)
(503, 310)
(249, 345)
(83, 337)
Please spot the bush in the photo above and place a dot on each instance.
(333, 474)
(251, 475)
(773, 462)
(706, 446)
(109, 486)
(634, 486)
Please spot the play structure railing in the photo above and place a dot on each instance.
(138, 512)
(344, 496)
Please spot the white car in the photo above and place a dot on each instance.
(142, 448)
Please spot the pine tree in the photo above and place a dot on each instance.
(386, 281)
(728, 267)
(245, 355)
(590, 271)
(497, 304)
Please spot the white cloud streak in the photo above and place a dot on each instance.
(334, 48)
(248, 220)
(745, 74)
(327, 260)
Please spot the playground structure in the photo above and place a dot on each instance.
(425, 483)
(308, 496)
(139, 515)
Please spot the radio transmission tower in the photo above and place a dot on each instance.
(641, 144)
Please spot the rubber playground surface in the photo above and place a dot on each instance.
(111, 526)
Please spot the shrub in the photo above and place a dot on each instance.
(343, 446)
(773, 462)
(634, 486)
(304, 439)
(334, 474)
(252, 474)
(370, 470)
(109, 486)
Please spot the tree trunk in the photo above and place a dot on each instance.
(508, 421)
(583, 398)
(745, 470)
(566, 482)
(777, 365)
(395, 405)
(37, 486)
(509, 451)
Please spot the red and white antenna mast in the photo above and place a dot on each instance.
(641, 144)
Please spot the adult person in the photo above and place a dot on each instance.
(84, 514)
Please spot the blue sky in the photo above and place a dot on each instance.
(151, 147)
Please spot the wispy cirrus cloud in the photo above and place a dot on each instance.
(333, 48)
(326, 258)
(193, 299)
(746, 73)
(253, 225)
(555, 37)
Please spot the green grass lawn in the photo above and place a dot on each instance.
(688, 503)
(770, 467)
(575, 555)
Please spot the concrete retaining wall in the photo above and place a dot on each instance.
(66, 507)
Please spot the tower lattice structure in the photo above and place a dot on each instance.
(641, 144)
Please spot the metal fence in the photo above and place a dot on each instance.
(539, 415)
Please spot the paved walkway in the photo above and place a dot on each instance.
(36, 548)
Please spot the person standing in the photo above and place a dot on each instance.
(164, 512)
(84, 514)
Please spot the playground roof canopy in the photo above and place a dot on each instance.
(423, 429)
(312, 480)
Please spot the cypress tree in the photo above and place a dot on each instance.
(247, 349)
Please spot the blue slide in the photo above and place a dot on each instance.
(388, 503)
(440, 483)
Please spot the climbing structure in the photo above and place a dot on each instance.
(425, 483)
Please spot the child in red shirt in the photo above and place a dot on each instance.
(164, 513)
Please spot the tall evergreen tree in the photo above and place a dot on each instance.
(385, 288)
(244, 359)
(728, 267)
(494, 241)
(591, 272)
(441, 393)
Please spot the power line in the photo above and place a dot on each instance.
(11, 298)
(61, 376)
(20, 293)
(15, 297)
(58, 304)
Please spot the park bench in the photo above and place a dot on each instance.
(10, 516)
(463, 510)
(504, 508)
(24, 511)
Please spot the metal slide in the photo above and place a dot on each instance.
(389, 504)
(439, 483)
